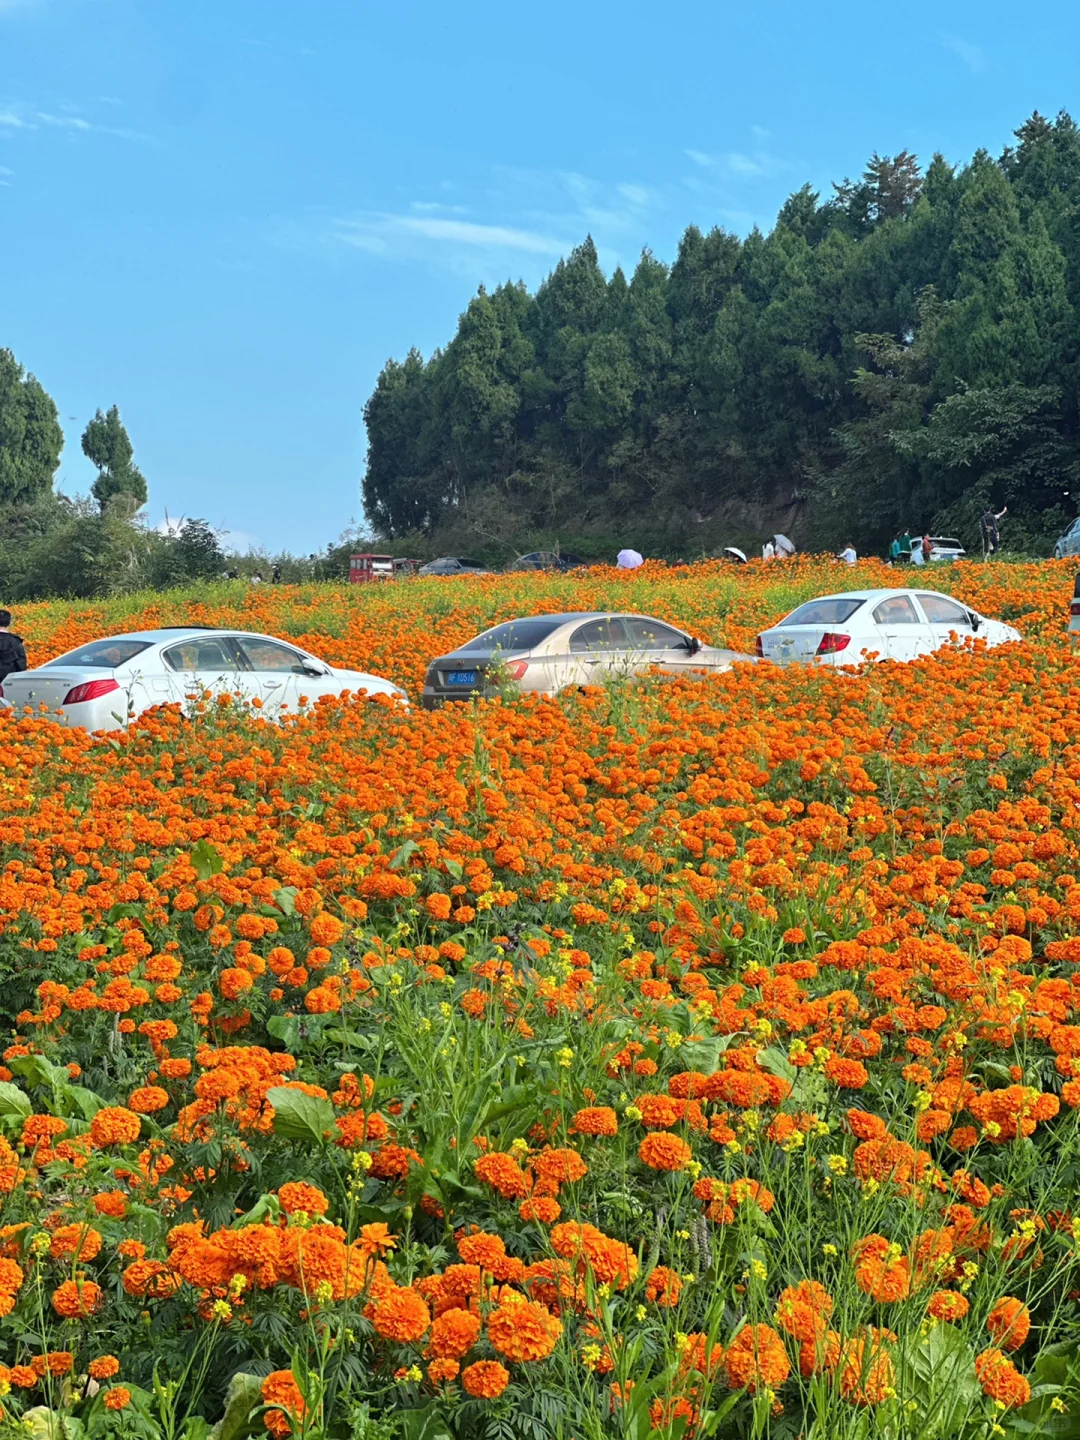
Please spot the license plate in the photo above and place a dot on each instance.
(461, 677)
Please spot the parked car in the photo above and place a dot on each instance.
(942, 547)
(544, 654)
(100, 686)
(889, 624)
(546, 560)
(1069, 543)
(451, 565)
(1074, 608)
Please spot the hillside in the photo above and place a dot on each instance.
(900, 354)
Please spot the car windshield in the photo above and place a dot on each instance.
(943, 543)
(102, 654)
(832, 611)
(515, 635)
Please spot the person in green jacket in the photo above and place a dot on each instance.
(905, 548)
(894, 550)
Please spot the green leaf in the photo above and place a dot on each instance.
(266, 1205)
(85, 1101)
(123, 912)
(13, 1102)
(425, 1424)
(205, 860)
(44, 1424)
(38, 1070)
(298, 1116)
(401, 856)
(285, 898)
(704, 1055)
(243, 1395)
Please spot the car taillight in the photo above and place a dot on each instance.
(759, 649)
(92, 690)
(515, 669)
(832, 642)
(1074, 609)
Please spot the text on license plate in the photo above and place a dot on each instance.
(461, 677)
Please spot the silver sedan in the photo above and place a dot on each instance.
(544, 654)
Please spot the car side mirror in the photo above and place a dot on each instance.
(693, 644)
(975, 621)
(315, 671)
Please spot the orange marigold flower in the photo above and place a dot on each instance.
(543, 1208)
(117, 1397)
(81, 1242)
(280, 1389)
(663, 1287)
(480, 1248)
(757, 1357)
(523, 1330)
(948, 1305)
(114, 1125)
(502, 1172)
(1009, 1323)
(77, 1299)
(104, 1367)
(402, 1315)
(596, 1120)
(148, 1100)
(663, 1151)
(453, 1334)
(297, 1195)
(441, 1372)
(485, 1379)
(1000, 1379)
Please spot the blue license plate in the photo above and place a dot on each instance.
(461, 677)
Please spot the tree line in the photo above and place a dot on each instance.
(899, 355)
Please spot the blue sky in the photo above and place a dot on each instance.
(224, 215)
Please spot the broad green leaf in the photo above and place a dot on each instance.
(243, 1395)
(285, 899)
(14, 1103)
(402, 854)
(704, 1055)
(205, 860)
(38, 1070)
(298, 1116)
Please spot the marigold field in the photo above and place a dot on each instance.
(684, 1058)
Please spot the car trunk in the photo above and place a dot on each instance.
(47, 686)
(793, 642)
(460, 674)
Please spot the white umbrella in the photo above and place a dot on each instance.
(783, 544)
(734, 550)
(629, 560)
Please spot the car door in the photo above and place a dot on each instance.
(204, 662)
(945, 616)
(280, 672)
(654, 644)
(598, 650)
(1072, 539)
(903, 631)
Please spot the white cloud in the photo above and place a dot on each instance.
(5, 171)
(635, 194)
(760, 133)
(16, 122)
(737, 165)
(378, 234)
(973, 56)
(71, 122)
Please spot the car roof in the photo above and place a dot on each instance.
(861, 595)
(175, 632)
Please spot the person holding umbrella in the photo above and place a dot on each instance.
(628, 560)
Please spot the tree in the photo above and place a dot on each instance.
(199, 551)
(30, 435)
(106, 444)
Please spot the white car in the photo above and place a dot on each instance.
(1069, 543)
(103, 685)
(942, 548)
(890, 624)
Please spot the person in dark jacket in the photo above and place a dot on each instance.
(12, 650)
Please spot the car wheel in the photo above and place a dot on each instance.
(1057, 553)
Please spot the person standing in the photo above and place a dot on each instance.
(768, 551)
(905, 548)
(927, 548)
(894, 549)
(275, 575)
(848, 555)
(988, 530)
(12, 649)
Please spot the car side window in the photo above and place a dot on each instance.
(201, 656)
(897, 610)
(599, 635)
(269, 655)
(940, 611)
(650, 635)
